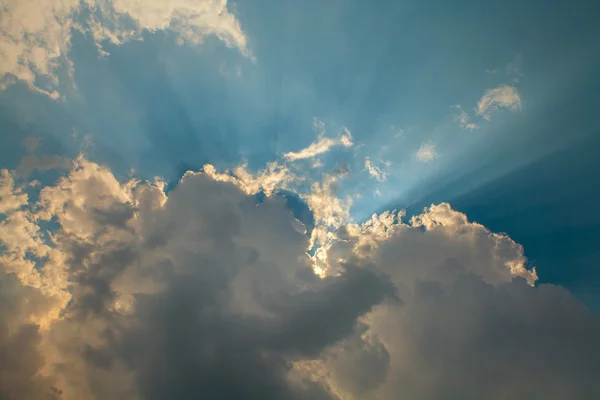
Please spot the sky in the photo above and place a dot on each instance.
(299, 200)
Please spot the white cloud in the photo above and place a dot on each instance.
(11, 196)
(463, 119)
(427, 153)
(202, 292)
(375, 171)
(275, 176)
(317, 163)
(322, 145)
(330, 213)
(500, 97)
(346, 138)
(35, 35)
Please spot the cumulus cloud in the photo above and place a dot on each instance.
(205, 292)
(322, 145)
(35, 35)
(427, 153)
(501, 97)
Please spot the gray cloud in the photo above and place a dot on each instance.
(207, 294)
(41, 162)
(20, 358)
(184, 345)
(473, 340)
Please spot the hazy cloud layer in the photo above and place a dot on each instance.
(427, 153)
(136, 294)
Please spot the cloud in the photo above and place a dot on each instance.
(463, 120)
(139, 262)
(500, 97)
(39, 162)
(20, 358)
(322, 145)
(11, 197)
(330, 212)
(42, 162)
(374, 171)
(205, 292)
(275, 176)
(468, 324)
(427, 153)
(35, 35)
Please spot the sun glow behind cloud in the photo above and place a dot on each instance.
(138, 240)
(270, 257)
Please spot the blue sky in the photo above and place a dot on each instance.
(392, 73)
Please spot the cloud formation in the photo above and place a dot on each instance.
(378, 173)
(427, 153)
(501, 97)
(205, 292)
(35, 35)
(322, 145)
(39, 162)
(463, 119)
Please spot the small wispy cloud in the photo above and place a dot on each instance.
(501, 97)
(376, 172)
(427, 153)
(346, 138)
(322, 145)
(504, 96)
(40, 162)
(317, 163)
(463, 119)
(397, 132)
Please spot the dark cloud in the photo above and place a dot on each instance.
(116, 215)
(185, 344)
(192, 337)
(93, 292)
(469, 339)
(211, 294)
(20, 359)
(360, 365)
(313, 319)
